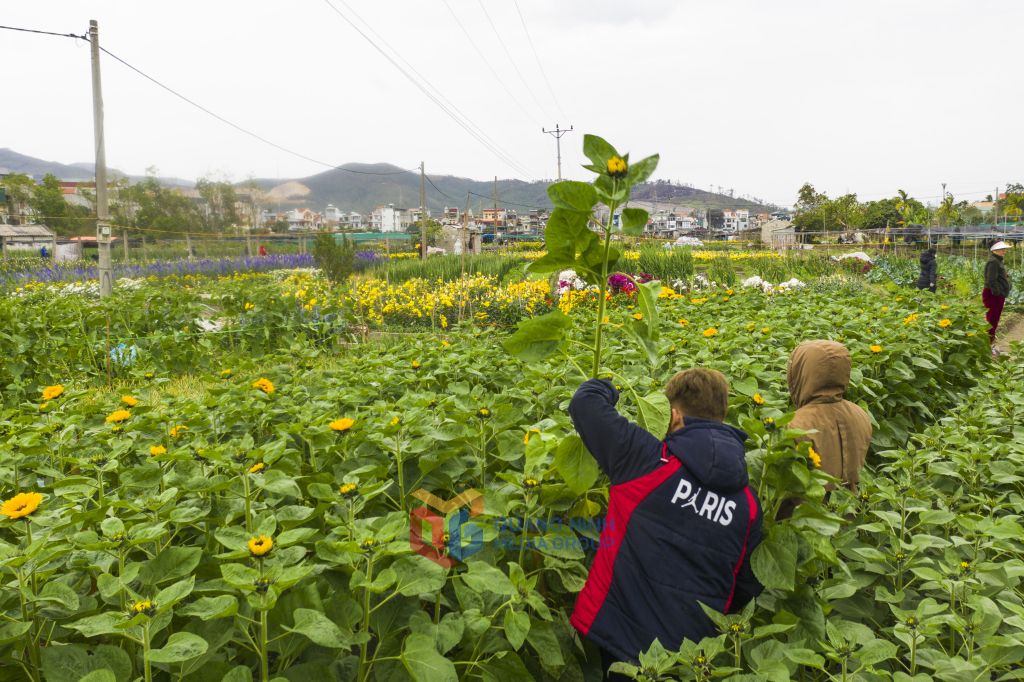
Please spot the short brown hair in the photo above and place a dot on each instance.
(699, 392)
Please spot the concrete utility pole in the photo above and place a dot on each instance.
(557, 132)
(495, 206)
(106, 272)
(423, 211)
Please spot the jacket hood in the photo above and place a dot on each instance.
(927, 257)
(713, 452)
(818, 372)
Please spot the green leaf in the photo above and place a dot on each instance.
(74, 662)
(170, 596)
(538, 337)
(599, 152)
(573, 196)
(577, 466)
(60, 593)
(647, 302)
(774, 560)
(876, 651)
(543, 639)
(517, 625)
(92, 626)
(653, 413)
(276, 481)
(483, 577)
(806, 657)
(565, 235)
(423, 663)
(639, 171)
(320, 629)
(102, 675)
(239, 576)
(634, 221)
(416, 575)
(208, 608)
(180, 646)
(170, 564)
(10, 631)
(445, 634)
(240, 673)
(507, 667)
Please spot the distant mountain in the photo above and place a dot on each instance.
(13, 162)
(362, 187)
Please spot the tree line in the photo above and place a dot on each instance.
(219, 207)
(817, 212)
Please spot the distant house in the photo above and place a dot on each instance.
(303, 219)
(737, 220)
(334, 215)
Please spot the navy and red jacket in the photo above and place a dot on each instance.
(681, 526)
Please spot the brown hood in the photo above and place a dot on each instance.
(818, 372)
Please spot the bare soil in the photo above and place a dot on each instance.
(1011, 328)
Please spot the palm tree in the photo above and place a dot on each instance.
(948, 210)
(1012, 206)
(903, 204)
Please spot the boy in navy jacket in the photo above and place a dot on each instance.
(681, 525)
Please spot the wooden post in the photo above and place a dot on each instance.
(188, 247)
(124, 233)
(108, 352)
(144, 256)
(3, 245)
(53, 249)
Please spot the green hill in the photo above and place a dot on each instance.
(380, 184)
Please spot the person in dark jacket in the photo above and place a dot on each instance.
(682, 522)
(997, 288)
(929, 271)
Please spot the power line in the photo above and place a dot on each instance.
(537, 57)
(512, 203)
(502, 43)
(439, 191)
(46, 33)
(240, 128)
(488, 64)
(505, 157)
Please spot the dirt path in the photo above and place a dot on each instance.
(1011, 328)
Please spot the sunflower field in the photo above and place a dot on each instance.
(327, 506)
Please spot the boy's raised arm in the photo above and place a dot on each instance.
(622, 449)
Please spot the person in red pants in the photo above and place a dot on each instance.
(997, 288)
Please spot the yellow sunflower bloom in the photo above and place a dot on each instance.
(260, 546)
(158, 450)
(264, 385)
(21, 505)
(129, 400)
(119, 416)
(341, 424)
(52, 392)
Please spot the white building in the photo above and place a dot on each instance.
(334, 215)
(389, 219)
(737, 220)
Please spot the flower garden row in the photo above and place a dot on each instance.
(263, 531)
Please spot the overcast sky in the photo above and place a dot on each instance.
(757, 96)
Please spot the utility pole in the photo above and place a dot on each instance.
(495, 206)
(557, 133)
(106, 272)
(423, 210)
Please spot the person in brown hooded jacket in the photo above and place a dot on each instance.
(818, 374)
